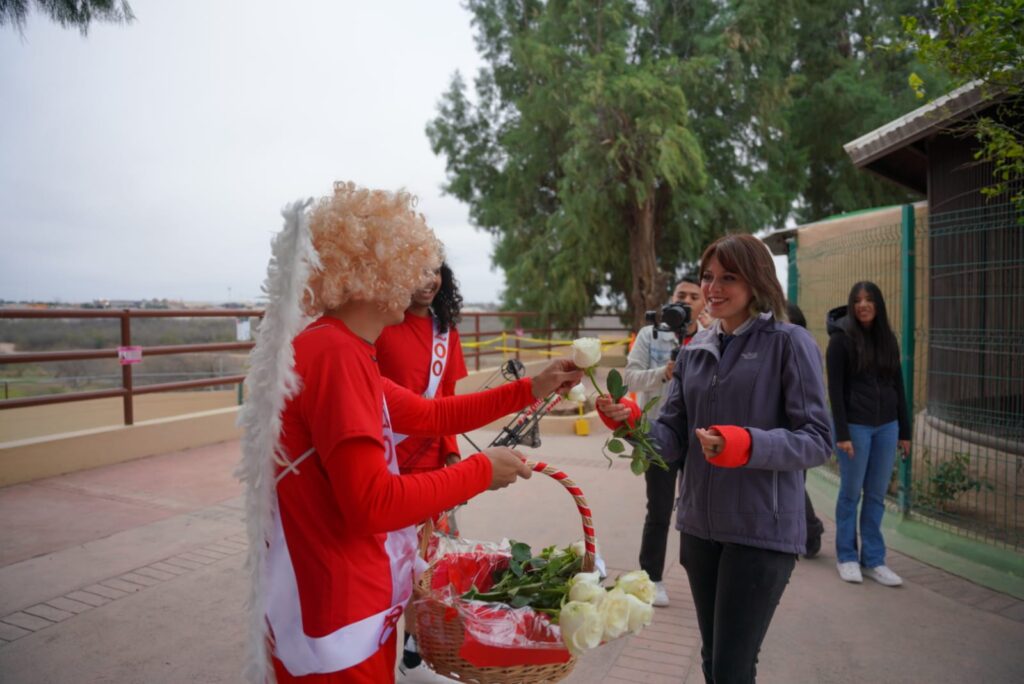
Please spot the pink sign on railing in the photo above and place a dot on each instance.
(129, 355)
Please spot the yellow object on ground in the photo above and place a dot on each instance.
(582, 427)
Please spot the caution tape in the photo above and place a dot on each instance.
(504, 338)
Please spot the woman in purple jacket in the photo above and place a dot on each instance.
(747, 410)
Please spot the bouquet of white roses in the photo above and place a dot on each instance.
(595, 615)
(587, 613)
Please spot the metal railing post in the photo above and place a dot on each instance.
(518, 326)
(126, 369)
(549, 334)
(479, 349)
(908, 321)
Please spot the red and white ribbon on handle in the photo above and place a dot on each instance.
(589, 543)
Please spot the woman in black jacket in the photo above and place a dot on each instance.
(869, 408)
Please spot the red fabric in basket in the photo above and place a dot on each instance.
(533, 642)
(461, 571)
(495, 635)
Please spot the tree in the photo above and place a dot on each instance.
(585, 143)
(606, 143)
(848, 77)
(68, 13)
(981, 41)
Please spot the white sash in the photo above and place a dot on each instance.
(438, 360)
(350, 644)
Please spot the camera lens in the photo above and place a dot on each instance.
(676, 316)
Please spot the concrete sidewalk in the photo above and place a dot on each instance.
(133, 573)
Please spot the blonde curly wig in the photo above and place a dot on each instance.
(373, 247)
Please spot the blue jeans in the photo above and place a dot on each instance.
(869, 471)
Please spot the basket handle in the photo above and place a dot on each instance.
(589, 544)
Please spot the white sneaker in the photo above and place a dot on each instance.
(850, 572)
(421, 675)
(883, 575)
(660, 595)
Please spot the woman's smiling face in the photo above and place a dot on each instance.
(864, 309)
(425, 294)
(727, 295)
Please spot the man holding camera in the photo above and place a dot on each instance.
(648, 373)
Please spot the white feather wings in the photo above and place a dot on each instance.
(270, 382)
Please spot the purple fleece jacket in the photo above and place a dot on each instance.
(769, 381)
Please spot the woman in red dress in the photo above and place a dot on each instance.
(423, 354)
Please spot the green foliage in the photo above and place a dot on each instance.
(948, 480)
(603, 145)
(645, 450)
(540, 582)
(68, 13)
(981, 41)
(616, 387)
(972, 40)
(1003, 146)
(849, 78)
(574, 153)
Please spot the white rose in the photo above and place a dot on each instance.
(638, 584)
(581, 627)
(578, 394)
(614, 610)
(586, 352)
(640, 614)
(580, 549)
(585, 578)
(587, 592)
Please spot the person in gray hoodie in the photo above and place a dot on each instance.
(747, 411)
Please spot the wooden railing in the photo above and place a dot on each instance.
(127, 390)
(474, 329)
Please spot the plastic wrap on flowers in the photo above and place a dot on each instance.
(486, 641)
(483, 634)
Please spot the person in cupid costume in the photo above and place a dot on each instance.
(330, 519)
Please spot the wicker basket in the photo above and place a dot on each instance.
(440, 631)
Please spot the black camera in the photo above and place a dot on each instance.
(675, 318)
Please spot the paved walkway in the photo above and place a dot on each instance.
(133, 573)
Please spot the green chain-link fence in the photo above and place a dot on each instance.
(954, 288)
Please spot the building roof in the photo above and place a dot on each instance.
(778, 240)
(896, 151)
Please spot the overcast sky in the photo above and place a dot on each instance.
(152, 160)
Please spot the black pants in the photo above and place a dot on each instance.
(735, 590)
(661, 498)
(815, 528)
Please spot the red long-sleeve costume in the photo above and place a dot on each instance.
(337, 509)
(404, 354)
